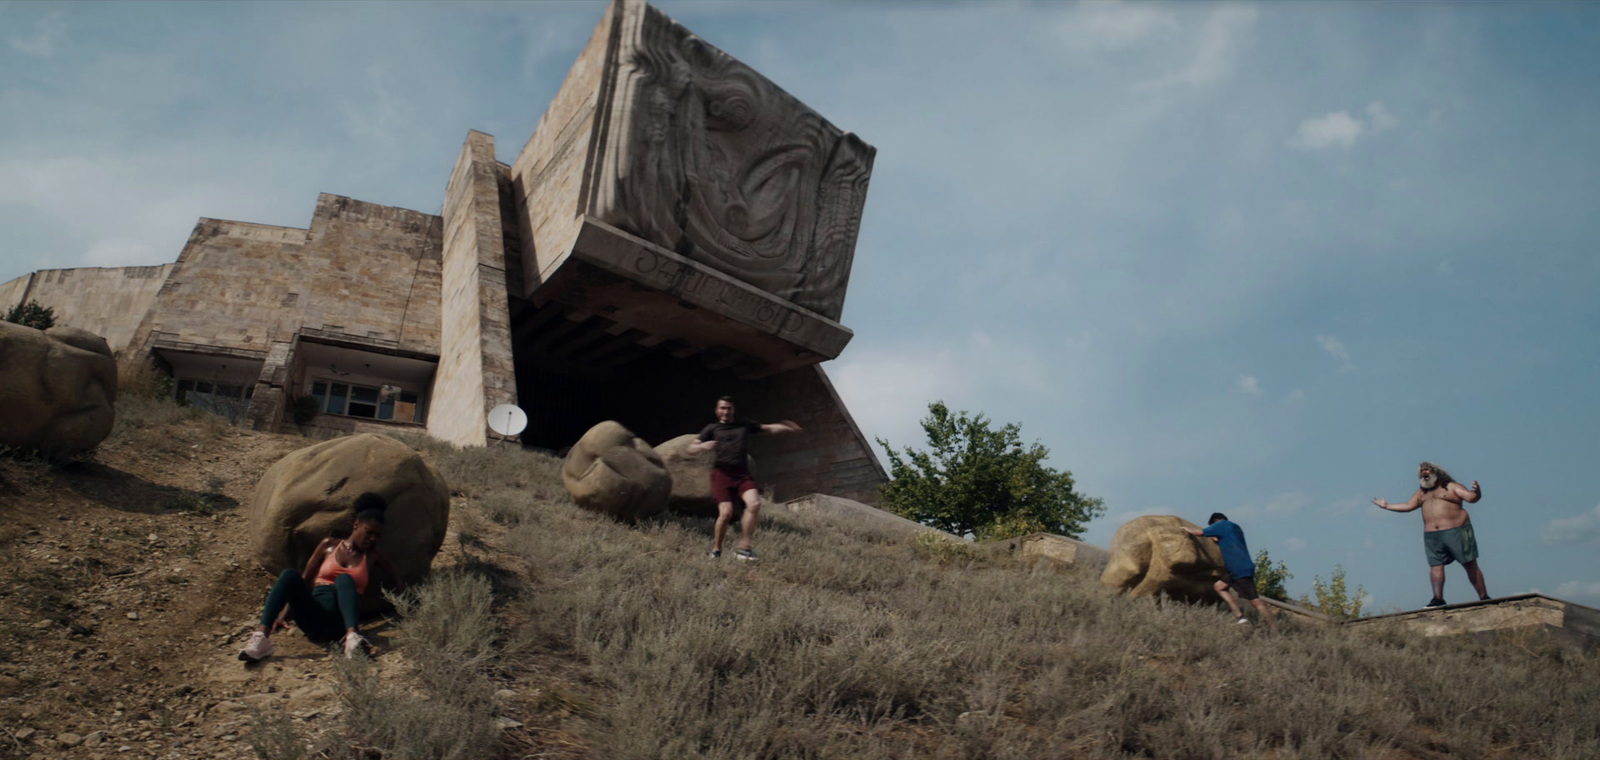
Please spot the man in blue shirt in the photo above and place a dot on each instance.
(1241, 576)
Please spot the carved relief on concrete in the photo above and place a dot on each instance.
(709, 159)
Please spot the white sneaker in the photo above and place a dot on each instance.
(259, 647)
(1244, 621)
(353, 643)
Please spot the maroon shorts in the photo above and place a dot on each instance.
(730, 485)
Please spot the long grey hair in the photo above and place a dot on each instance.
(1439, 479)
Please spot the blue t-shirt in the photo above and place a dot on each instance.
(1235, 555)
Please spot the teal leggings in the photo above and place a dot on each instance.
(323, 613)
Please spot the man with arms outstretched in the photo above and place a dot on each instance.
(1241, 569)
(730, 475)
(1447, 528)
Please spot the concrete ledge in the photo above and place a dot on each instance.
(1059, 550)
(845, 511)
(1572, 624)
(643, 286)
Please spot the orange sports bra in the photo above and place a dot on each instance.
(331, 570)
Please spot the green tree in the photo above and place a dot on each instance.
(982, 481)
(1332, 597)
(1270, 578)
(31, 314)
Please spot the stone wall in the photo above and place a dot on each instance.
(12, 292)
(107, 301)
(362, 272)
(475, 365)
(550, 175)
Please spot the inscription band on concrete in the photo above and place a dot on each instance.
(633, 258)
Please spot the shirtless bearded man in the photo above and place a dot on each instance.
(1447, 528)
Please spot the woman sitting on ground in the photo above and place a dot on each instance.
(326, 597)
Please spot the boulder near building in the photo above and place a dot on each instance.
(677, 228)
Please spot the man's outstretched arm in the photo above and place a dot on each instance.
(786, 426)
(1416, 501)
(1470, 496)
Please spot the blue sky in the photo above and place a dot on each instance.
(1259, 259)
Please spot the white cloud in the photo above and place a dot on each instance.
(1294, 543)
(1446, 268)
(888, 392)
(1341, 130)
(1111, 26)
(1335, 130)
(1296, 395)
(46, 34)
(1572, 530)
(1379, 118)
(1336, 349)
(1216, 46)
(1578, 590)
(1249, 385)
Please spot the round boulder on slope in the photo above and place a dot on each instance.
(1154, 555)
(58, 389)
(310, 495)
(614, 472)
(691, 477)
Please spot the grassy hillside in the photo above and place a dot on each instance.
(550, 632)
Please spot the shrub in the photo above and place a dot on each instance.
(1333, 599)
(303, 410)
(31, 314)
(974, 480)
(1270, 578)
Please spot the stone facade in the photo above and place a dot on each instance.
(665, 165)
(565, 283)
(476, 371)
(107, 301)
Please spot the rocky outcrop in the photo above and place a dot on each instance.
(614, 472)
(310, 495)
(691, 477)
(58, 389)
(1154, 555)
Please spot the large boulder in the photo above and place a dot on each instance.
(691, 477)
(1154, 555)
(612, 471)
(58, 389)
(310, 495)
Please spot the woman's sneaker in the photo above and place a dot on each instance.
(355, 642)
(259, 647)
(745, 554)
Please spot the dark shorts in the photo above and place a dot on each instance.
(1244, 587)
(1453, 545)
(730, 485)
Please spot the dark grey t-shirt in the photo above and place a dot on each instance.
(732, 442)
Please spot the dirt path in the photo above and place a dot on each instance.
(126, 592)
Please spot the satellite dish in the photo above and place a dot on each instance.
(507, 419)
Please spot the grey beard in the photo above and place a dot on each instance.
(1429, 483)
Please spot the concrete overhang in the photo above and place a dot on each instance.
(643, 286)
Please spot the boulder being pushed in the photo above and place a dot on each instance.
(1154, 555)
(310, 495)
(612, 471)
(58, 389)
(691, 477)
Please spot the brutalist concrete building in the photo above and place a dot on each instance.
(677, 228)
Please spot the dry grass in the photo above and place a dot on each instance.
(448, 634)
(849, 643)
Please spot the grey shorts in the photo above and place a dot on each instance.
(1453, 545)
(1244, 587)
